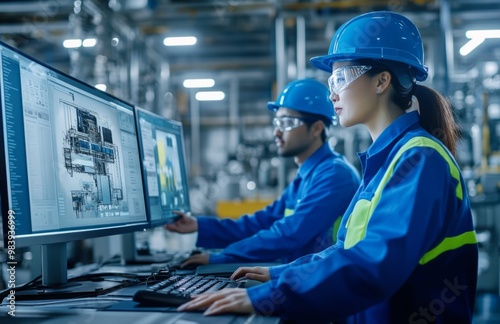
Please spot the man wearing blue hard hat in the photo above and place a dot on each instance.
(304, 219)
(406, 249)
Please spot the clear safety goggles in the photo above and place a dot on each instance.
(287, 123)
(345, 75)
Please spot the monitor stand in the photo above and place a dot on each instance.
(55, 283)
(133, 255)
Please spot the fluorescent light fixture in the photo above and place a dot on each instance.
(75, 43)
(476, 38)
(210, 95)
(179, 41)
(470, 46)
(72, 43)
(89, 42)
(101, 86)
(491, 33)
(198, 83)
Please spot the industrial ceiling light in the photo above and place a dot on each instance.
(76, 42)
(476, 38)
(487, 33)
(198, 83)
(72, 43)
(470, 46)
(89, 42)
(179, 41)
(101, 86)
(210, 96)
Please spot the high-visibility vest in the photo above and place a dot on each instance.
(357, 222)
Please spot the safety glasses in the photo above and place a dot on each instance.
(287, 123)
(345, 75)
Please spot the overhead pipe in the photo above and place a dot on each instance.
(234, 115)
(447, 34)
(194, 106)
(281, 79)
(486, 149)
(301, 47)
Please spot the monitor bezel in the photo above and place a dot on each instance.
(63, 235)
(162, 221)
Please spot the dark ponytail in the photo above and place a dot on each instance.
(436, 117)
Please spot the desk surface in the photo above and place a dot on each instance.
(114, 307)
(54, 315)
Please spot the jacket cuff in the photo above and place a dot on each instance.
(266, 300)
(217, 258)
(204, 238)
(275, 271)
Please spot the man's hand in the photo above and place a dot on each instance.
(199, 259)
(228, 300)
(255, 273)
(185, 224)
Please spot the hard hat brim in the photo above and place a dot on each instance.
(271, 105)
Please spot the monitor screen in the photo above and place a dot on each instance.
(70, 165)
(163, 163)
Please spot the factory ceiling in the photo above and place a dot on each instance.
(256, 44)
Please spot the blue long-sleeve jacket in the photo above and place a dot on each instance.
(298, 223)
(406, 249)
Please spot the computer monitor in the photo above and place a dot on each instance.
(164, 169)
(165, 182)
(69, 167)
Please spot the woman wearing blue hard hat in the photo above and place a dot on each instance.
(406, 250)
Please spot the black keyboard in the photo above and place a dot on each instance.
(177, 289)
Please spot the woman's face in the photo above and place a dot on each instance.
(356, 101)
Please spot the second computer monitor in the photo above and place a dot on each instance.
(163, 163)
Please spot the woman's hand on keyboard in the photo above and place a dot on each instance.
(254, 273)
(185, 224)
(229, 300)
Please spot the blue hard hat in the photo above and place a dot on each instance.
(305, 95)
(378, 35)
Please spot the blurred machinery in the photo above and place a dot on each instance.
(478, 111)
(246, 183)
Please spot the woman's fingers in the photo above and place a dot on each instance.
(231, 300)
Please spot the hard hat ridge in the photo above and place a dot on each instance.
(307, 96)
(383, 35)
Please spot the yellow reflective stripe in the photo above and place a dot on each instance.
(357, 223)
(455, 173)
(335, 228)
(288, 212)
(449, 243)
(363, 210)
(421, 141)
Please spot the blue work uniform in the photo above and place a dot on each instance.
(298, 223)
(406, 249)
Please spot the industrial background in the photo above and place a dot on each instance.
(251, 49)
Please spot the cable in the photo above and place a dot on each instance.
(27, 285)
(72, 300)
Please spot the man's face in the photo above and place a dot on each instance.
(292, 135)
